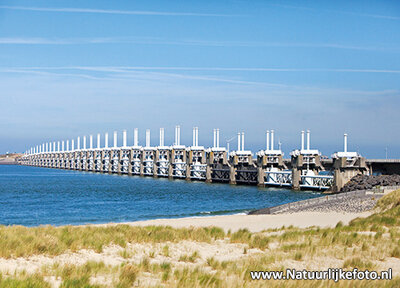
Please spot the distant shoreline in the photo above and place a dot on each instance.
(9, 159)
(8, 162)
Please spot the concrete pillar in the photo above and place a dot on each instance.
(86, 163)
(343, 173)
(78, 161)
(260, 177)
(296, 178)
(68, 163)
(115, 139)
(130, 162)
(119, 161)
(197, 136)
(155, 159)
(141, 164)
(208, 173)
(232, 174)
(297, 164)
(97, 161)
(91, 142)
(179, 135)
(110, 162)
(188, 166)
(83, 159)
(124, 141)
(176, 135)
(272, 139)
(161, 137)
(147, 137)
(101, 161)
(215, 138)
(106, 140)
(171, 160)
(203, 157)
(338, 181)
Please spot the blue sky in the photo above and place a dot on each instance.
(74, 68)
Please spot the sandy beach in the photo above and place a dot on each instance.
(162, 262)
(257, 223)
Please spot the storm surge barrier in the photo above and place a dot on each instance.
(306, 168)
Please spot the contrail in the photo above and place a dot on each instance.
(379, 16)
(125, 69)
(107, 11)
(181, 42)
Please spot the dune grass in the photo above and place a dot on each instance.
(364, 244)
(23, 281)
(19, 241)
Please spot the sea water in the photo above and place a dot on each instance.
(34, 196)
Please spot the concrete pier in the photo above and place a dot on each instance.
(346, 166)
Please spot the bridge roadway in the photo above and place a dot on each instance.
(378, 166)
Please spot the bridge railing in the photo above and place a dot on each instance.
(278, 178)
(316, 181)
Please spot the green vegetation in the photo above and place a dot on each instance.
(192, 258)
(365, 244)
(23, 281)
(127, 276)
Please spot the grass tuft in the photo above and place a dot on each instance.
(357, 262)
(33, 281)
(127, 275)
(192, 258)
(395, 252)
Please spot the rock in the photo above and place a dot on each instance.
(363, 182)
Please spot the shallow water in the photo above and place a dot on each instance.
(33, 196)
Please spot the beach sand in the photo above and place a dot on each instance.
(220, 250)
(257, 223)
